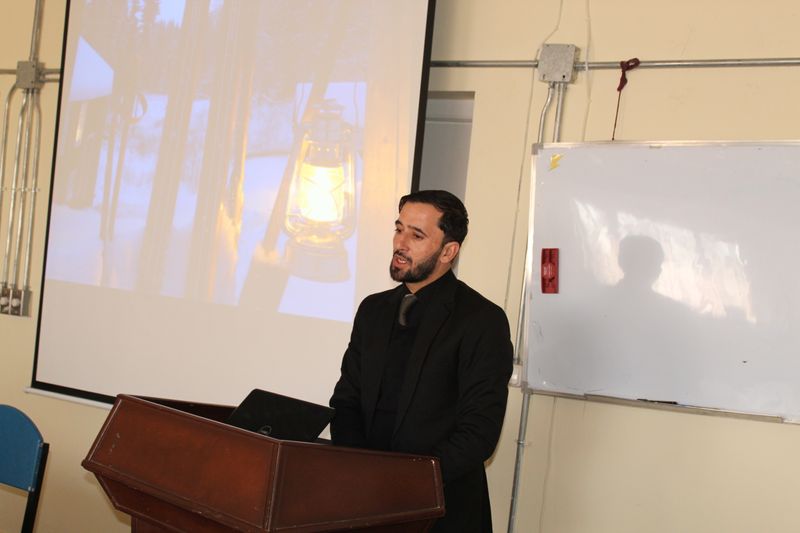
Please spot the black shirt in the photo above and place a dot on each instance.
(399, 349)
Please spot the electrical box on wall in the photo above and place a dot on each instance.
(557, 63)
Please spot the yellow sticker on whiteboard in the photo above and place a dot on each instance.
(555, 160)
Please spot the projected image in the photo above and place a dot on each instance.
(227, 166)
(225, 186)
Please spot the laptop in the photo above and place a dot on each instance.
(281, 417)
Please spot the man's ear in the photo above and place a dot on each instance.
(449, 252)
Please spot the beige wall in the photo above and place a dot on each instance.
(592, 467)
(71, 499)
(588, 467)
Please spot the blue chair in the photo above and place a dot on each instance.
(23, 456)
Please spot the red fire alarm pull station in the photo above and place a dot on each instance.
(549, 270)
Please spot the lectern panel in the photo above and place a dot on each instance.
(344, 483)
(188, 458)
(153, 515)
(175, 471)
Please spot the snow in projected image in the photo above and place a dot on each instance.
(221, 172)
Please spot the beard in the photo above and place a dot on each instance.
(415, 273)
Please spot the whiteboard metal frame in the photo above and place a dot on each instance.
(528, 284)
(661, 406)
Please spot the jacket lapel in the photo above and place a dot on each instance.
(429, 327)
(377, 350)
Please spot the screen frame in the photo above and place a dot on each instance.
(54, 388)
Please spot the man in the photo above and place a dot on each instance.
(430, 378)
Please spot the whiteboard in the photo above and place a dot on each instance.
(677, 274)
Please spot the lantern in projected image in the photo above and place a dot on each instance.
(320, 211)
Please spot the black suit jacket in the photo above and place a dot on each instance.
(453, 398)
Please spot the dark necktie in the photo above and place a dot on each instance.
(405, 304)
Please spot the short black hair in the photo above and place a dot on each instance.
(454, 219)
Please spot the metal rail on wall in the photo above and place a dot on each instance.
(18, 192)
(557, 65)
(611, 65)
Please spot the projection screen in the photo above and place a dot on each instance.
(224, 191)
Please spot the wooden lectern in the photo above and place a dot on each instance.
(176, 466)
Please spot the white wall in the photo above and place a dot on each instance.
(600, 467)
(587, 467)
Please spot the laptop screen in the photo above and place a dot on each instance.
(281, 417)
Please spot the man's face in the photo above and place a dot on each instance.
(420, 255)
